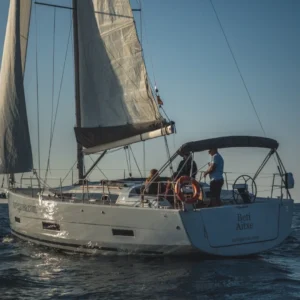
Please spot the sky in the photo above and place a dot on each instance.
(188, 58)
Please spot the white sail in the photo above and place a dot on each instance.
(116, 100)
(15, 146)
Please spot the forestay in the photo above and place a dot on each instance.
(15, 146)
(116, 100)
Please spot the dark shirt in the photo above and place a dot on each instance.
(186, 170)
(155, 187)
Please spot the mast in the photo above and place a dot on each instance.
(77, 89)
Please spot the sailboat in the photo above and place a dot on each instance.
(115, 107)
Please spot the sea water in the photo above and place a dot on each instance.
(32, 272)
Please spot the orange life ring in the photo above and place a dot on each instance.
(186, 180)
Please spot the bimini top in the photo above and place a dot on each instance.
(229, 142)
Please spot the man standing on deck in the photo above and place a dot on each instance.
(215, 171)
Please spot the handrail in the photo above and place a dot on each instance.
(159, 194)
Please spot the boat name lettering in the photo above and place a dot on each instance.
(244, 222)
(245, 239)
(24, 207)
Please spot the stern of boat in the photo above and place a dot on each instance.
(238, 230)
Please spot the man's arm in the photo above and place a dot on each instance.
(211, 168)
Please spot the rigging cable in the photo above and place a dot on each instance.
(130, 170)
(236, 64)
(141, 33)
(42, 181)
(69, 172)
(53, 71)
(53, 82)
(154, 89)
(242, 78)
(165, 113)
(144, 158)
(140, 3)
(141, 30)
(99, 169)
(128, 160)
(169, 155)
(151, 61)
(135, 161)
(160, 106)
(37, 91)
(58, 100)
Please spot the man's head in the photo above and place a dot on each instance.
(212, 151)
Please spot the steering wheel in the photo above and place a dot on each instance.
(244, 189)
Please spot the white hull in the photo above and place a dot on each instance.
(231, 230)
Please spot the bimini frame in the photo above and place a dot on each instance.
(231, 142)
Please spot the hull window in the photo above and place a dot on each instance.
(123, 232)
(51, 226)
(17, 219)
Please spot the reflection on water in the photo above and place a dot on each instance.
(31, 272)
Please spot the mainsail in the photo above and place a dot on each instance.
(15, 146)
(117, 103)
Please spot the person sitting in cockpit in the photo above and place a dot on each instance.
(154, 187)
(185, 166)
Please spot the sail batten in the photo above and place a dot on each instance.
(116, 99)
(15, 146)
